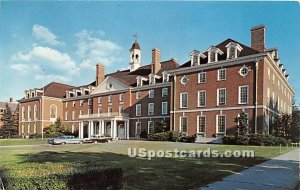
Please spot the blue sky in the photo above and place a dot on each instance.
(67, 39)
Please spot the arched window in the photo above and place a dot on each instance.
(29, 112)
(35, 112)
(23, 113)
(137, 58)
(53, 111)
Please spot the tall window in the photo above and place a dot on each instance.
(121, 109)
(53, 111)
(202, 77)
(110, 98)
(165, 77)
(164, 92)
(89, 111)
(221, 96)
(151, 109)
(66, 116)
(23, 113)
(243, 94)
(99, 100)
(150, 127)
(164, 108)
(201, 124)
(138, 127)
(99, 110)
(121, 97)
(212, 56)
(73, 115)
(29, 113)
(195, 60)
(109, 110)
(183, 124)
(81, 102)
(151, 93)
(89, 102)
(183, 100)
(221, 123)
(35, 112)
(201, 98)
(66, 104)
(138, 109)
(221, 74)
(138, 95)
(73, 104)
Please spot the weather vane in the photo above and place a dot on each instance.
(135, 35)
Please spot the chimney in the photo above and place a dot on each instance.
(258, 38)
(99, 74)
(156, 66)
(11, 99)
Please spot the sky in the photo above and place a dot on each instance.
(67, 39)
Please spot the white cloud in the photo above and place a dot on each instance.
(53, 61)
(95, 50)
(45, 35)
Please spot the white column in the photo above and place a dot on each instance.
(111, 128)
(92, 128)
(99, 128)
(103, 127)
(80, 130)
(89, 129)
(115, 129)
(127, 129)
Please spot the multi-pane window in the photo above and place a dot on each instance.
(201, 124)
(121, 109)
(165, 77)
(99, 110)
(231, 53)
(121, 97)
(66, 116)
(202, 77)
(138, 109)
(89, 102)
(164, 92)
(81, 103)
(109, 110)
(212, 56)
(73, 115)
(221, 96)
(23, 113)
(183, 124)
(99, 100)
(221, 74)
(89, 111)
(183, 100)
(73, 104)
(195, 60)
(150, 127)
(29, 113)
(138, 127)
(243, 94)
(35, 113)
(151, 109)
(201, 98)
(110, 98)
(221, 123)
(164, 108)
(138, 95)
(151, 93)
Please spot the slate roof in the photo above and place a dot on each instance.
(55, 89)
(245, 52)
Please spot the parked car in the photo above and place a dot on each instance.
(66, 139)
(98, 138)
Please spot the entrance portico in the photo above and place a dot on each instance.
(115, 125)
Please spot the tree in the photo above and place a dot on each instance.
(282, 125)
(242, 129)
(10, 123)
(58, 128)
(295, 126)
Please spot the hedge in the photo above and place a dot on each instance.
(258, 140)
(172, 136)
(85, 177)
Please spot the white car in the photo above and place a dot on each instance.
(66, 139)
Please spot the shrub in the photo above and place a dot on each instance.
(144, 134)
(266, 140)
(35, 136)
(229, 140)
(172, 136)
(163, 136)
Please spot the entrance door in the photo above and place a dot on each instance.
(108, 129)
(121, 131)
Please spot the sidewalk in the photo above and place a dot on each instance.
(279, 173)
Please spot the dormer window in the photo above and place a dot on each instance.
(165, 77)
(213, 53)
(140, 80)
(151, 79)
(195, 57)
(233, 49)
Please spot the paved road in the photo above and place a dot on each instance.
(279, 173)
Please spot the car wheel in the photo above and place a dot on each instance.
(95, 142)
(64, 143)
(80, 142)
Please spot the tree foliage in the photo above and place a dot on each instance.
(282, 125)
(58, 128)
(242, 129)
(10, 123)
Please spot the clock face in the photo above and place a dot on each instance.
(184, 80)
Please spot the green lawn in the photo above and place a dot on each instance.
(138, 173)
(12, 142)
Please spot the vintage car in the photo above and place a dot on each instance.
(66, 139)
(97, 139)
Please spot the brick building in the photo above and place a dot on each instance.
(203, 95)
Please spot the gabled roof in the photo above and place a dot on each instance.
(55, 89)
(222, 46)
(135, 45)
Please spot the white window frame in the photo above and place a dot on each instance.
(140, 109)
(198, 102)
(199, 77)
(89, 111)
(81, 103)
(80, 112)
(150, 122)
(180, 128)
(198, 122)
(187, 99)
(99, 110)
(166, 108)
(121, 109)
(66, 116)
(109, 110)
(164, 92)
(121, 97)
(66, 104)
(99, 99)
(89, 102)
(240, 90)
(73, 104)
(138, 95)
(73, 115)
(110, 98)
(217, 124)
(219, 74)
(149, 111)
(218, 92)
(136, 127)
(151, 94)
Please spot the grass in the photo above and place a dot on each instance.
(14, 142)
(138, 173)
